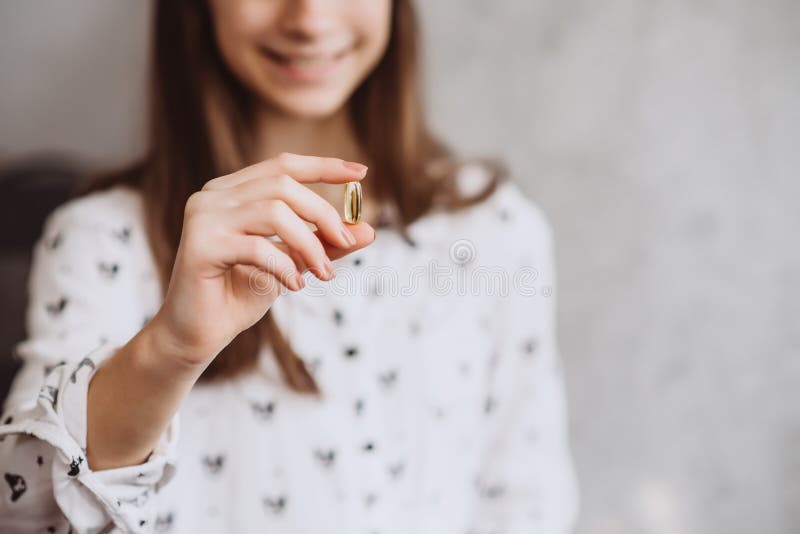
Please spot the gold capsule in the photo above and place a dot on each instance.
(352, 202)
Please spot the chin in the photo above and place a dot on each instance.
(312, 106)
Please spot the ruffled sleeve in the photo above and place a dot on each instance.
(527, 481)
(91, 288)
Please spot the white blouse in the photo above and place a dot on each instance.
(443, 407)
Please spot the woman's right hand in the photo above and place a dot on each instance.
(224, 248)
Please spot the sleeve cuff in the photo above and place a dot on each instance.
(124, 495)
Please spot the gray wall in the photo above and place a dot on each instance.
(72, 77)
(662, 138)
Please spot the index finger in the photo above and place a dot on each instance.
(304, 169)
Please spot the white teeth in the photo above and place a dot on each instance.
(308, 62)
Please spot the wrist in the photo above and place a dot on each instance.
(161, 353)
(132, 397)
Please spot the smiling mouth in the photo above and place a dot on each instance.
(305, 61)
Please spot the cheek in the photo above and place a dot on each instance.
(373, 20)
(238, 27)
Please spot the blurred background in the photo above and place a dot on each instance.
(663, 140)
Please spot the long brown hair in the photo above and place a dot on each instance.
(199, 129)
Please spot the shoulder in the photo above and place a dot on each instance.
(508, 207)
(505, 240)
(511, 210)
(507, 226)
(98, 231)
(106, 208)
(111, 217)
(92, 276)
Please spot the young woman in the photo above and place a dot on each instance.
(211, 349)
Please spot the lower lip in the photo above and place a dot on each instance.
(315, 74)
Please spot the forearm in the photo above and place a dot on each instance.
(132, 398)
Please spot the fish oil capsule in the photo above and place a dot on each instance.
(352, 202)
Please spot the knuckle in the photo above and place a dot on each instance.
(281, 268)
(197, 223)
(309, 249)
(272, 208)
(284, 158)
(318, 252)
(257, 250)
(211, 184)
(276, 262)
(283, 183)
(279, 208)
(263, 205)
(195, 203)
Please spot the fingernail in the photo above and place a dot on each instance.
(348, 236)
(327, 269)
(353, 166)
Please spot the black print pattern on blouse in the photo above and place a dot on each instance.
(39, 460)
(123, 234)
(164, 522)
(388, 378)
(350, 352)
(413, 328)
(491, 491)
(375, 290)
(214, 464)
(75, 466)
(368, 446)
(359, 406)
(108, 269)
(50, 368)
(410, 242)
(529, 347)
(54, 242)
(325, 457)
(17, 485)
(49, 393)
(263, 410)
(338, 317)
(396, 469)
(57, 308)
(438, 412)
(137, 500)
(489, 404)
(86, 362)
(275, 504)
